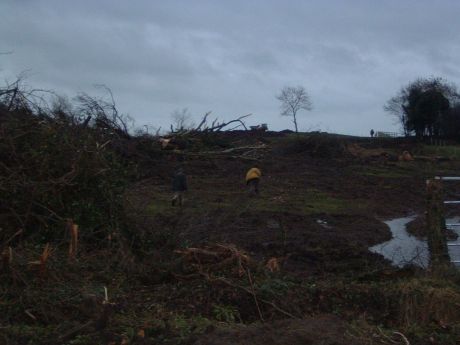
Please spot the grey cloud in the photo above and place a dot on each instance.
(233, 57)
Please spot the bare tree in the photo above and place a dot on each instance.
(292, 100)
(18, 96)
(182, 120)
(102, 111)
(61, 108)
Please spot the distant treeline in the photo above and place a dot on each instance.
(427, 107)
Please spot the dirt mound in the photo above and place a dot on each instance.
(325, 330)
(362, 152)
(314, 145)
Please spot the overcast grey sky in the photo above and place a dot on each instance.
(233, 57)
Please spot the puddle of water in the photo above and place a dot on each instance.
(403, 248)
(323, 223)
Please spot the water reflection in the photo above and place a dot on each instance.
(403, 248)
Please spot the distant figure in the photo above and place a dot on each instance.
(179, 186)
(372, 133)
(252, 180)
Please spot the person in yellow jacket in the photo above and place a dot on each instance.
(252, 180)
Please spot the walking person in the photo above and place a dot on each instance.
(252, 180)
(372, 133)
(179, 186)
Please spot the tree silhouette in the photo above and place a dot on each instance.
(292, 100)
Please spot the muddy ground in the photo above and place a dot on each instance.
(323, 329)
(317, 213)
(311, 210)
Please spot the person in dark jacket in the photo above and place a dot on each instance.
(179, 186)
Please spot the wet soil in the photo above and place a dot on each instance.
(316, 214)
(323, 329)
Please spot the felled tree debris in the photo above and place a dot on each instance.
(57, 164)
(405, 157)
(216, 257)
(7, 259)
(254, 152)
(221, 257)
(360, 152)
(217, 126)
(273, 265)
(205, 127)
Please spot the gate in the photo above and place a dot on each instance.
(451, 225)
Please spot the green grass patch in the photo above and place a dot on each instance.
(311, 201)
(272, 199)
(377, 171)
(320, 202)
(449, 151)
(160, 206)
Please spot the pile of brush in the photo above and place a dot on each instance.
(216, 257)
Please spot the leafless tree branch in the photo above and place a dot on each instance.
(292, 100)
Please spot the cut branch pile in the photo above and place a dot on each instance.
(360, 152)
(217, 126)
(206, 261)
(216, 257)
(252, 153)
(54, 165)
(170, 141)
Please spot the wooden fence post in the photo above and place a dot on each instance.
(73, 230)
(435, 225)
